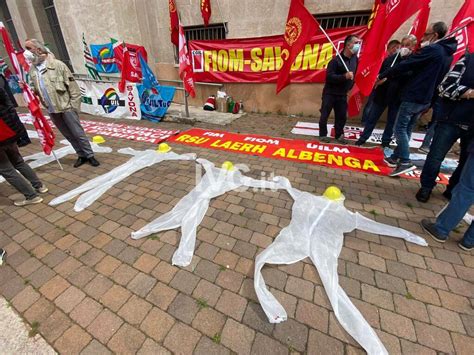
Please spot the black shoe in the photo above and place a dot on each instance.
(423, 194)
(402, 169)
(3, 256)
(392, 163)
(80, 161)
(464, 246)
(447, 194)
(431, 230)
(341, 140)
(359, 143)
(93, 161)
(325, 139)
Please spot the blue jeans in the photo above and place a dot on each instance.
(374, 115)
(367, 108)
(461, 200)
(446, 134)
(408, 115)
(432, 125)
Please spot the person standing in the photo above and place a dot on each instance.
(11, 161)
(387, 94)
(54, 83)
(461, 201)
(428, 67)
(454, 121)
(339, 81)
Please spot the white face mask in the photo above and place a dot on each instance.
(405, 51)
(29, 56)
(425, 43)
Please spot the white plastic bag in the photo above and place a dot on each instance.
(93, 189)
(317, 231)
(40, 159)
(190, 210)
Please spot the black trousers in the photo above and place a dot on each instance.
(339, 104)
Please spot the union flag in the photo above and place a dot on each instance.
(206, 11)
(300, 27)
(174, 22)
(185, 68)
(421, 22)
(465, 34)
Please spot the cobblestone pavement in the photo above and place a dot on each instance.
(91, 289)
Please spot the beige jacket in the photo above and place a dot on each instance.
(62, 88)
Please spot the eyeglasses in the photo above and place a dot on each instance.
(428, 33)
(29, 48)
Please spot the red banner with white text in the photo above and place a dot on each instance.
(258, 60)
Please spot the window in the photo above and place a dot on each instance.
(211, 32)
(56, 31)
(342, 20)
(9, 23)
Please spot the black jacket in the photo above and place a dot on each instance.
(428, 68)
(389, 92)
(11, 128)
(336, 82)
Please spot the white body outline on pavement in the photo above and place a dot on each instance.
(190, 210)
(40, 159)
(93, 189)
(316, 231)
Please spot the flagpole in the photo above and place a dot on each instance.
(334, 46)
(55, 157)
(458, 29)
(222, 17)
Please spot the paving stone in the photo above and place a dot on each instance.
(94, 348)
(67, 267)
(164, 272)
(336, 331)
(151, 347)
(183, 308)
(207, 291)
(351, 286)
(86, 312)
(372, 261)
(162, 295)
(411, 308)
(23, 300)
(412, 348)
(82, 276)
(146, 263)
(104, 326)
(92, 257)
(69, 299)
(360, 273)
(207, 251)
(314, 316)
(434, 337)
(441, 267)
(460, 287)
(401, 270)
(226, 259)
(230, 280)
(245, 249)
(256, 319)
(390, 283)
(39, 311)
(322, 344)
(141, 284)
(127, 340)
(391, 343)
(446, 319)
(209, 322)
(274, 277)
(423, 293)
(292, 333)
(28, 267)
(73, 340)
(157, 324)
(468, 321)
(182, 339)
(123, 274)
(369, 311)
(237, 337)
(134, 310)
(300, 288)
(377, 296)
(232, 305)
(54, 326)
(463, 344)
(431, 279)
(207, 270)
(184, 281)
(207, 347)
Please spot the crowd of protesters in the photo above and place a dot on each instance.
(414, 78)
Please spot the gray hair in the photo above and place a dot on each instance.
(411, 38)
(39, 45)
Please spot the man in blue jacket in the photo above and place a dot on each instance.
(339, 81)
(428, 67)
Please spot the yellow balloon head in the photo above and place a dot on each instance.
(98, 139)
(333, 193)
(227, 165)
(163, 148)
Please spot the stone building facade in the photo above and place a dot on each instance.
(60, 23)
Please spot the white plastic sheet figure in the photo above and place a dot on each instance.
(93, 189)
(317, 231)
(40, 159)
(190, 210)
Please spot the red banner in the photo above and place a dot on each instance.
(336, 156)
(258, 60)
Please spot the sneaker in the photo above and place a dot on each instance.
(464, 246)
(42, 190)
(3, 256)
(391, 162)
(425, 150)
(423, 195)
(359, 143)
(431, 230)
(447, 195)
(93, 161)
(26, 202)
(325, 139)
(401, 169)
(80, 161)
(341, 140)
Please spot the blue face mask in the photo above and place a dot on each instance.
(356, 48)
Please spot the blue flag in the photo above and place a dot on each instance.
(155, 98)
(104, 58)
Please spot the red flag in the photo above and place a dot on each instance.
(300, 27)
(174, 23)
(421, 22)
(354, 104)
(185, 68)
(126, 56)
(206, 11)
(45, 132)
(465, 36)
(387, 17)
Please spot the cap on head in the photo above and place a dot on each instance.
(333, 193)
(227, 165)
(163, 148)
(98, 139)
